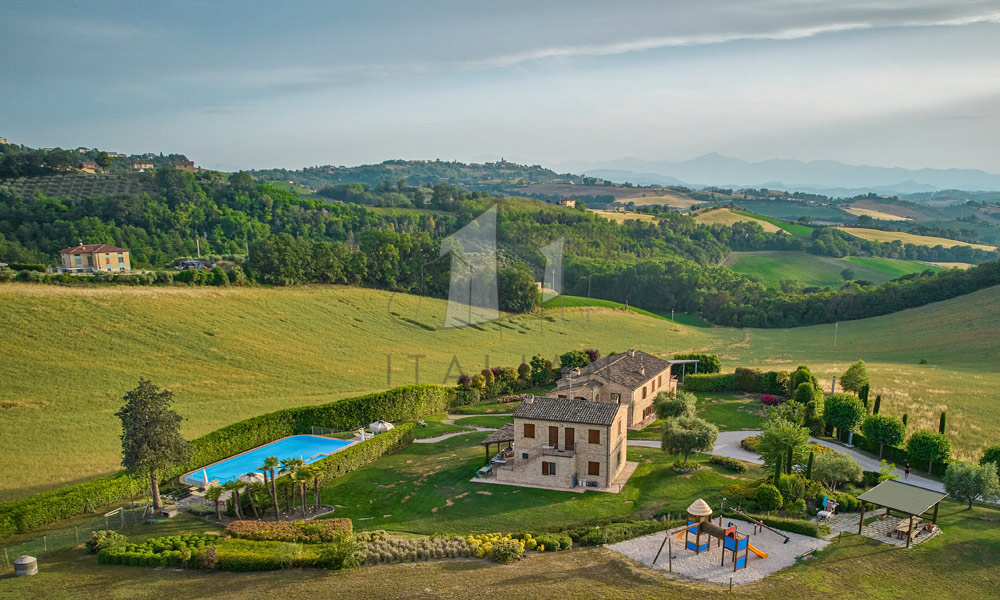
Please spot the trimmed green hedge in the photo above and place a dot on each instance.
(729, 463)
(714, 382)
(619, 532)
(398, 404)
(816, 530)
(358, 455)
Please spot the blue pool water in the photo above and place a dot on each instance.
(309, 448)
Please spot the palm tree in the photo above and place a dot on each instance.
(214, 493)
(317, 474)
(303, 475)
(251, 488)
(234, 487)
(270, 466)
(289, 465)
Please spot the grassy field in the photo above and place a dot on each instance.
(877, 235)
(674, 199)
(822, 271)
(435, 427)
(228, 354)
(875, 214)
(725, 216)
(579, 302)
(792, 228)
(791, 211)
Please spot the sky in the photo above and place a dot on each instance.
(239, 85)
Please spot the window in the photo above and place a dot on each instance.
(643, 391)
(562, 395)
(616, 398)
(594, 436)
(569, 439)
(553, 436)
(548, 468)
(529, 430)
(593, 468)
(659, 380)
(524, 455)
(619, 427)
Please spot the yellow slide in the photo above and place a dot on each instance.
(756, 551)
(681, 534)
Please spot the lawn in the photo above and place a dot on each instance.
(494, 421)
(426, 489)
(435, 427)
(772, 267)
(725, 216)
(727, 411)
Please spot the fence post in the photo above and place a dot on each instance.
(45, 544)
(76, 531)
(6, 561)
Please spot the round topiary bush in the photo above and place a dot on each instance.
(507, 551)
(768, 497)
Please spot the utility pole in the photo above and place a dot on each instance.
(197, 244)
(588, 300)
(836, 326)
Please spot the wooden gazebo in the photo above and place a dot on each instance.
(910, 500)
(503, 435)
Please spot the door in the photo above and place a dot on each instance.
(570, 438)
(553, 436)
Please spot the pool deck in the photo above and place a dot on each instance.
(193, 478)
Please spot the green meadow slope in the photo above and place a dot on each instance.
(822, 271)
(70, 354)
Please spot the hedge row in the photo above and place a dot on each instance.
(730, 463)
(742, 380)
(398, 404)
(619, 532)
(816, 530)
(710, 382)
(358, 455)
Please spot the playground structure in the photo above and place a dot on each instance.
(699, 523)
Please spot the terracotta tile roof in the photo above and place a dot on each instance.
(568, 411)
(631, 369)
(92, 248)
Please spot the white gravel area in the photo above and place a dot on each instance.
(705, 566)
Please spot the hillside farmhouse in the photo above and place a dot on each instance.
(90, 258)
(568, 202)
(631, 379)
(565, 444)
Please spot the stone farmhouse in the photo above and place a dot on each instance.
(566, 443)
(631, 379)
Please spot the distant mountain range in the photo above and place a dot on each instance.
(828, 177)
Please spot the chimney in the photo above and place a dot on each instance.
(530, 398)
(576, 372)
(631, 352)
(642, 370)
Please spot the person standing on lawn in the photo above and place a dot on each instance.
(906, 471)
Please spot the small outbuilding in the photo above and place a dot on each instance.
(910, 500)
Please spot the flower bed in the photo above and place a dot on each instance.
(769, 400)
(511, 398)
(303, 532)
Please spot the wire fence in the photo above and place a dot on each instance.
(120, 519)
(339, 434)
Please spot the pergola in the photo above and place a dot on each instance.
(684, 364)
(910, 500)
(499, 437)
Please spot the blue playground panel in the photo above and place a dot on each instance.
(691, 546)
(741, 562)
(731, 544)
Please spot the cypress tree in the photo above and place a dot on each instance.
(809, 466)
(878, 404)
(942, 423)
(788, 462)
(904, 419)
(777, 471)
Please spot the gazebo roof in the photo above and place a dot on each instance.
(504, 434)
(903, 497)
(700, 508)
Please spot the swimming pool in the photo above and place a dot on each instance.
(309, 448)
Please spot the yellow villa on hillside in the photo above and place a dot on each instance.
(90, 258)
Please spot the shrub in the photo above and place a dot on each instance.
(713, 382)
(991, 455)
(768, 497)
(748, 380)
(929, 447)
(882, 430)
(769, 400)
(668, 405)
(104, 538)
(817, 530)
(834, 468)
(612, 533)
(751, 443)
(552, 542)
(507, 551)
(343, 552)
(730, 463)
(843, 411)
(305, 532)
(796, 507)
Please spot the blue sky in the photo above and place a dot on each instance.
(255, 84)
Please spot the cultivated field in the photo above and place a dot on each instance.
(875, 214)
(621, 217)
(823, 271)
(668, 198)
(70, 354)
(876, 235)
(725, 216)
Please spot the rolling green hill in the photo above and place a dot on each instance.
(820, 271)
(71, 353)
